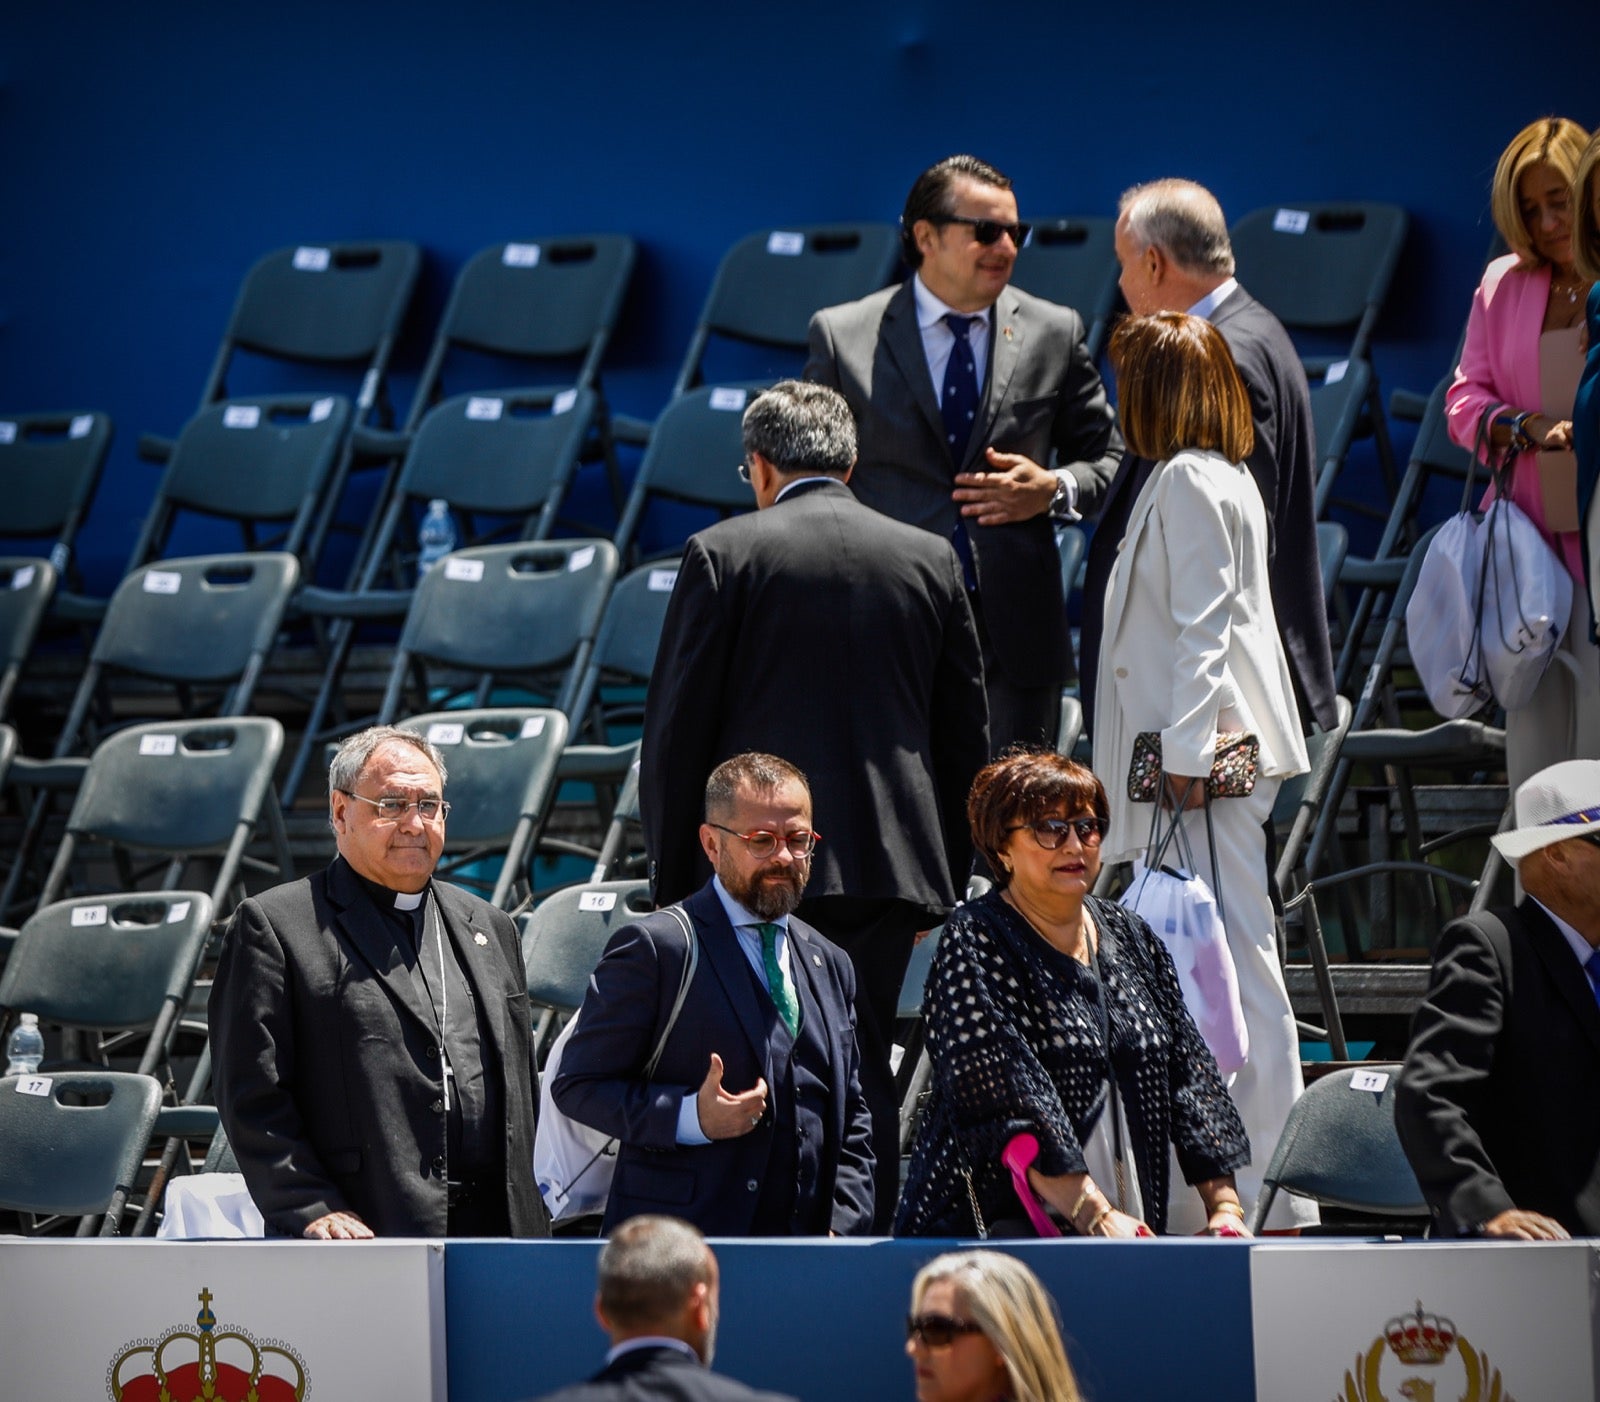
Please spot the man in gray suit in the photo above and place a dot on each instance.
(981, 418)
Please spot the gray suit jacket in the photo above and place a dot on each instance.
(1041, 395)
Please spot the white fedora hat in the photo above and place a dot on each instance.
(1557, 803)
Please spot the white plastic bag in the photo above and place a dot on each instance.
(209, 1206)
(572, 1163)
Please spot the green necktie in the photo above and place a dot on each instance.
(781, 989)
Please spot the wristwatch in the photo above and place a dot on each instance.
(1061, 502)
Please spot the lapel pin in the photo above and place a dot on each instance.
(478, 937)
(817, 960)
(1006, 332)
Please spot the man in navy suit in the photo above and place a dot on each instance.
(1497, 1104)
(752, 1123)
(658, 1299)
(1173, 245)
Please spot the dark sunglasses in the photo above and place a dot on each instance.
(1050, 833)
(938, 1330)
(986, 231)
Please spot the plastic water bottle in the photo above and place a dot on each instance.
(436, 536)
(25, 1050)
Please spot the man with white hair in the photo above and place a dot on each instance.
(1498, 1106)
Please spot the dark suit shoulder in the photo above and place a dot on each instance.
(661, 1375)
(864, 311)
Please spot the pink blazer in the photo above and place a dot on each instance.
(1500, 366)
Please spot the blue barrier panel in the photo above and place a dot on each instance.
(824, 1320)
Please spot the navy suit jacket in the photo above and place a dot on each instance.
(1041, 394)
(1283, 464)
(1498, 1104)
(715, 1186)
(660, 1375)
(328, 1075)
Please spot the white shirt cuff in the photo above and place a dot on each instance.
(689, 1131)
(1067, 508)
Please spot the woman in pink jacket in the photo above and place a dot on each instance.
(1522, 361)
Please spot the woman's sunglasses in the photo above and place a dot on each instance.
(938, 1330)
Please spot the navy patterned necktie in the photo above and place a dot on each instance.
(958, 400)
(958, 407)
(1591, 966)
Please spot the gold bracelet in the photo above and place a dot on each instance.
(1232, 1208)
(1100, 1217)
(1083, 1197)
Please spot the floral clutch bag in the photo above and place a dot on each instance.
(1233, 770)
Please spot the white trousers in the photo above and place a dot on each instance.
(1269, 1082)
(1562, 719)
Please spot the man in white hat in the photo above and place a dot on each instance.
(1499, 1102)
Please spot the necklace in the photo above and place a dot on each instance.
(1083, 956)
(1570, 289)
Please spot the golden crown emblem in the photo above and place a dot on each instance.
(1420, 1338)
(184, 1367)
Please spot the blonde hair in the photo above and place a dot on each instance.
(1585, 222)
(1005, 1299)
(1552, 141)
(1177, 388)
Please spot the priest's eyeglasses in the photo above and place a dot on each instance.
(763, 843)
(394, 810)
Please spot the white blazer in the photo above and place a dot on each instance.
(1191, 644)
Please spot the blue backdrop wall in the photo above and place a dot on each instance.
(151, 152)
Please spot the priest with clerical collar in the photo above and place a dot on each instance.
(370, 1027)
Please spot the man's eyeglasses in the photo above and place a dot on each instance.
(938, 1330)
(1050, 833)
(392, 810)
(763, 843)
(986, 231)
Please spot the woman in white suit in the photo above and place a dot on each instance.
(1192, 649)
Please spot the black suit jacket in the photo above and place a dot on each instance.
(820, 631)
(1498, 1105)
(660, 1375)
(327, 1064)
(601, 1083)
(1284, 467)
(1041, 393)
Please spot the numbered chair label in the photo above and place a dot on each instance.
(1335, 372)
(444, 732)
(163, 582)
(1291, 221)
(321, 409)
(35, 1085)
(89, 915)
(787, 244)
(563, 402)
(581, 559)
(1374, 1081)
(179, 911)
(484, 408)
(597, 900)
(8, 431)
(661, 581)
(158, 744)
(311, 260)
(23, 576)
(81, 427)
(241, 416)
(467, 571)
(724, 397)
(531, 726)
(520, 255)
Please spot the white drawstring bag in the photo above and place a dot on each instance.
(1491, 602)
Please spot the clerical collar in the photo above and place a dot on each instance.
(409, 900)
(387, 899)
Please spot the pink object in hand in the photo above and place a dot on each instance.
(1018, 1156)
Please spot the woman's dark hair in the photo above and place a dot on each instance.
(1023, 787)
